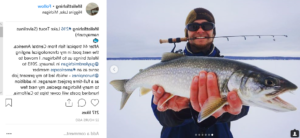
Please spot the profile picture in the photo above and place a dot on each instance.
(92, 9)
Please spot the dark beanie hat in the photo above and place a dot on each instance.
(199, 13)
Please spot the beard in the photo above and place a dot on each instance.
(196, 48)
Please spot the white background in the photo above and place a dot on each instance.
(41, 116)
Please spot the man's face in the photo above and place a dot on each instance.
(201, 43)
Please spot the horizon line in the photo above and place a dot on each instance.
(228, 57)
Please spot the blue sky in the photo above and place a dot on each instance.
(135, 26)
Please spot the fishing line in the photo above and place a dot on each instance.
(182, 39)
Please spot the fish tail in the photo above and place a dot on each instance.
(119, 85)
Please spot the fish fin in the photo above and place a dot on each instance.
(170, 56)
(144, 91)
(119, 85)
(211, 105)
(225, 89)
(125, 97)
(171, 96)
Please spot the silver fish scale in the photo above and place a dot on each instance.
(175, 76)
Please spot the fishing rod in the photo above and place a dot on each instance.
(177, 40)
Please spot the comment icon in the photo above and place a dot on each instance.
(81, 102)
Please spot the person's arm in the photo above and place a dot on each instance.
(224, 118)
(178, 113)
(171, 118)
(227, 117)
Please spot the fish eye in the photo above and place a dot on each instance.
(270, 82)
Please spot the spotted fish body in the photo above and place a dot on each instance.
(175, 73)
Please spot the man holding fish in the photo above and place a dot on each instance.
(178, 121)
(203, 104)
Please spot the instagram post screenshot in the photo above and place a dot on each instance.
(203, 69)
(53, 69)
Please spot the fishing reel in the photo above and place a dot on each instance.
(180, 51)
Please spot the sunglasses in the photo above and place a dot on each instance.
(206, 26)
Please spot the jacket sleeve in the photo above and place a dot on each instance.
(170, 118)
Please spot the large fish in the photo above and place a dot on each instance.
(255, 87)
